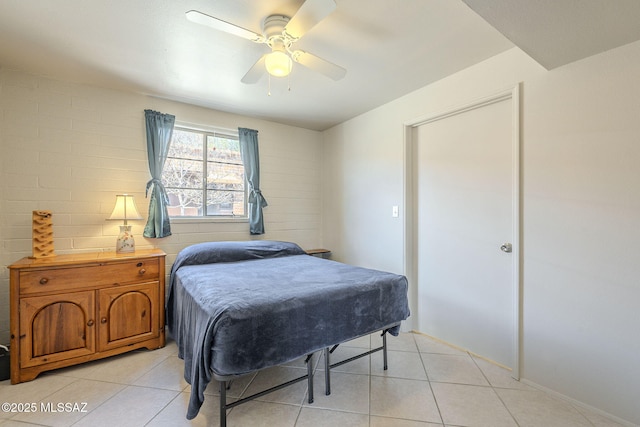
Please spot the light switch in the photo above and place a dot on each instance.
(394, 211)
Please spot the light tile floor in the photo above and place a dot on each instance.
(427, 384)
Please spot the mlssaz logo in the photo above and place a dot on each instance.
(63, 407)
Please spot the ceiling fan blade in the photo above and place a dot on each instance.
(255, 72)
(310, 13)
(220, 25)
(318, 64)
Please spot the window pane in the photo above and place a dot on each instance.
(189, 160)
(223, 149)
(179, 173)
(221, 176)
(186, 145)
(184, 202)
(225, 202)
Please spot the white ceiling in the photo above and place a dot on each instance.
(388, 48)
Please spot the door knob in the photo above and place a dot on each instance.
(506, 247)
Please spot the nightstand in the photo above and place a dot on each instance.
(320, 253)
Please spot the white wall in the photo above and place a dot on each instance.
(581, 211)
(70, 148)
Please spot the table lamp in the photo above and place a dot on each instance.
(125, 209)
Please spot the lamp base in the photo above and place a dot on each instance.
(125, 242)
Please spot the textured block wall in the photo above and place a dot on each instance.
(70, 148)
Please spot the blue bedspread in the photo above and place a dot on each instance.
(237, 307)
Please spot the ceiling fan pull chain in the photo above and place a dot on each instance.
(269, 90)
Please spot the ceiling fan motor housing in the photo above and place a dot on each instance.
(273, 25)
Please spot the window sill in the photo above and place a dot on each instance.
(201, 219)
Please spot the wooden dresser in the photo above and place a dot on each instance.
(70, 309)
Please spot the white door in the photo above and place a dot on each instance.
(463, 214)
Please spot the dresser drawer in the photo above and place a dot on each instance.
(62, 279)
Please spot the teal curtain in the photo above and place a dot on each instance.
(250, 158)
(159, 131)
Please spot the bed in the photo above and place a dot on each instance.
(238, 307)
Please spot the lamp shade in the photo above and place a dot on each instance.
(278, 63)
(125, 208)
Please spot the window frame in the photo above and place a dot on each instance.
(210, 131)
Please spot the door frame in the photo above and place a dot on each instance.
(410, 267)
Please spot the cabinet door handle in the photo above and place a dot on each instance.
(90, 322)
(44, 281)
(142, 271)
(103, 320)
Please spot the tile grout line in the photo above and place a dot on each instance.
(426, 372)
(163, 408)
(494, 390)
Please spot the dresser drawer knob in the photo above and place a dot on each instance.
(142, 271)
(90, 322)
(44, 281)
(103, 320)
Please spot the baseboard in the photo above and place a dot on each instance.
(578, 403)
(464, 350)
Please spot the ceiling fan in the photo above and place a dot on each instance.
(280, 33)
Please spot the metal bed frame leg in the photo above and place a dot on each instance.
(327, 367)
(310, 376)
(223, 404)
(384, 349)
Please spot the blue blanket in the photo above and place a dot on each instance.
(237, 307)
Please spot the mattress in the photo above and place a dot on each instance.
(238, 307)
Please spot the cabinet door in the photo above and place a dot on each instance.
(56, 327)
(128, 314)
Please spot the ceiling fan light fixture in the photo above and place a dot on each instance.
(280, 33)
(278, 64)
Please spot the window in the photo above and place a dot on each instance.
(204, 175)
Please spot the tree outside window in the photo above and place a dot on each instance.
(204, 175)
